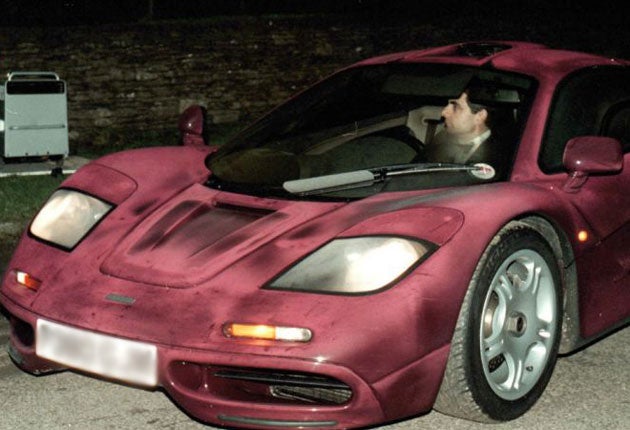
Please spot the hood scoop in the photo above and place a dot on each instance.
(192, 227)
(198, 234)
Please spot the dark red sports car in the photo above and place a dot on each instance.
(426, 229)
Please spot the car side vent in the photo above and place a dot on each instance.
(480, 50)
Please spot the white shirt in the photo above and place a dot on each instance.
(463, 151)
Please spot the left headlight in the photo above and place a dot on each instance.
(356, 265)
(67, 217)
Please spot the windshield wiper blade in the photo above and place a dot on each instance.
(330, 183)
(411, 169)
(368, 177)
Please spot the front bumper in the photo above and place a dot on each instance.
(236, 390)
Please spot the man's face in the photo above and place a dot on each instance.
(459, 120)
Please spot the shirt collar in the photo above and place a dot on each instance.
(472, 146)
(481, 138)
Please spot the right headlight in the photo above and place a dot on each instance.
(356, 265)
(67, 217)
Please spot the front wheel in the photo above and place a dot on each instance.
(505, 344)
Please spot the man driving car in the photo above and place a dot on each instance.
(467, 137)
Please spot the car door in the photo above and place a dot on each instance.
(597, 102)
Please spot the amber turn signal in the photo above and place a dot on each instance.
(582, 236)
(27, 280)
(267, 332)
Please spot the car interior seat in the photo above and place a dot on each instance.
(425, 122)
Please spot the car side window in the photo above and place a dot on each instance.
(592, 102)
(617, 124)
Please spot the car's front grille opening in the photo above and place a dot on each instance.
(262, 385)
(301, 387)
(333, 396)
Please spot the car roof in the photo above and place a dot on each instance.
(528, 58)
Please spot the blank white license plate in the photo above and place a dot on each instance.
(108, 356)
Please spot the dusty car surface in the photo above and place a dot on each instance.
(327, 268)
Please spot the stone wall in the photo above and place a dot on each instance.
(141, 76)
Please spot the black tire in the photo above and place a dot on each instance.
(505, 343)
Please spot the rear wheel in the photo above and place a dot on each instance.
(506, 340)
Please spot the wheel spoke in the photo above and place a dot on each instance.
(532, 279)
(542, 331)
(504, 288)
(493, 346)
(535, 281)
(515, 381)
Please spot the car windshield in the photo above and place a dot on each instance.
(370, 117)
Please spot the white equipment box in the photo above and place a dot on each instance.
(33, 116)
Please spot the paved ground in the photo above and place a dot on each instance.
(589, 390)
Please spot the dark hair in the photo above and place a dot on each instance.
(477, 107)
(497, 100)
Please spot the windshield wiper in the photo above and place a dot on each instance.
(368, 177)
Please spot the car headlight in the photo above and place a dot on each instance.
(67, 217)
(354, 265)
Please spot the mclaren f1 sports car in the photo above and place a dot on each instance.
(348, 259)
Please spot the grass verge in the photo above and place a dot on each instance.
(20, 198)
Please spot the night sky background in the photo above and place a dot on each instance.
(592, 16)
(601, 27)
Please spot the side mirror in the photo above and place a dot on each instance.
(587, 155)
(191, 126)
